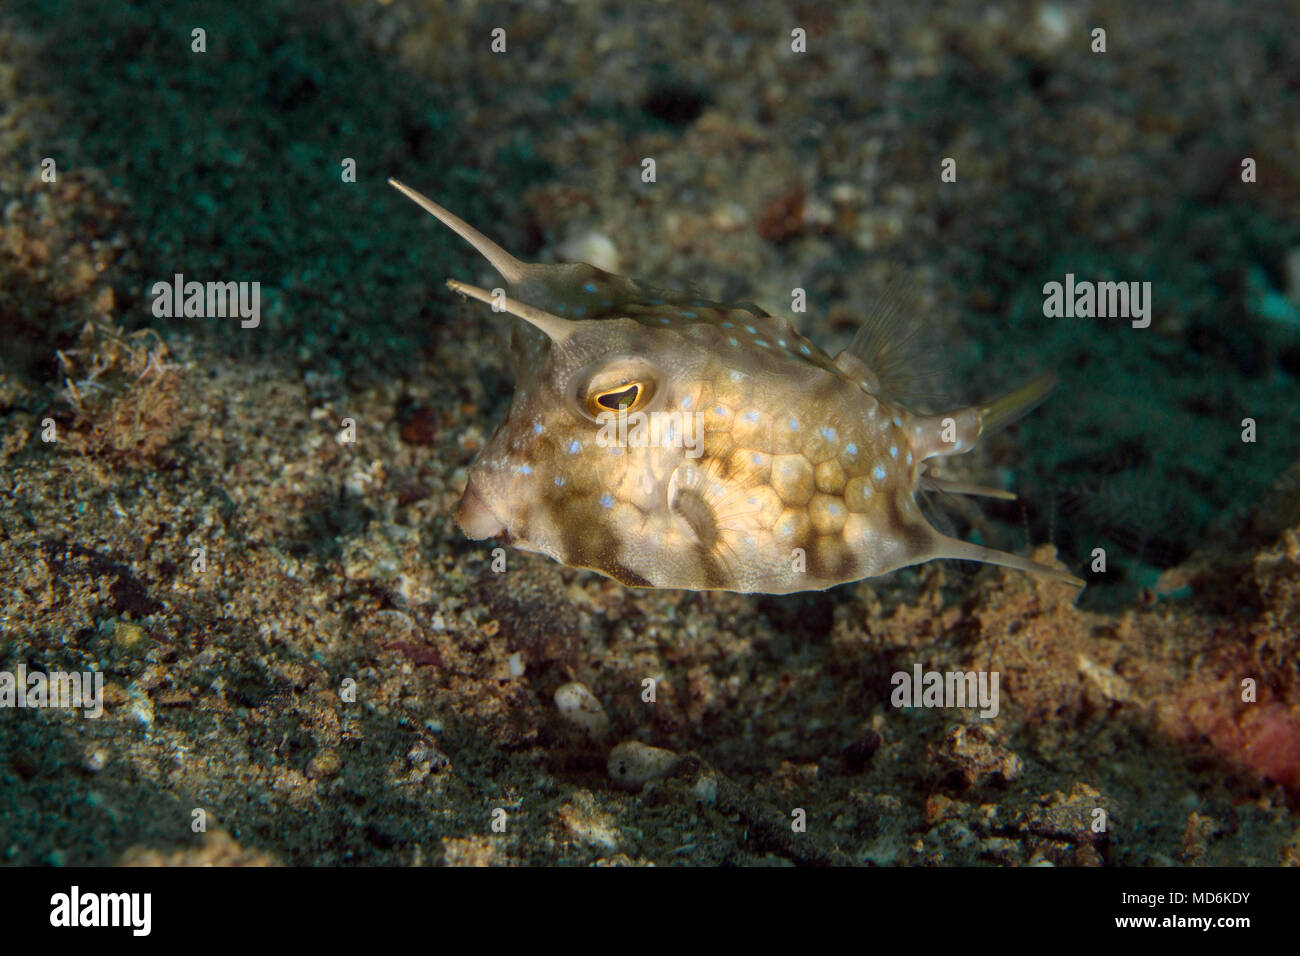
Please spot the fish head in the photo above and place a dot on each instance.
(604, 426)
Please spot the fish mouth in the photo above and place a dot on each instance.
(475, 518)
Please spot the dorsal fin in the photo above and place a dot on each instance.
(889, 353)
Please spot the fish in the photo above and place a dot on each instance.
(666, 440)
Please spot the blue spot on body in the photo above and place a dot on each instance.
(750, 329)
(758, 458)
(689, 315)
(878, 473)
(589, 287)
(559, 481)
(575, 446)
(580, 311)
(727, 325)
(760, 342)
(851, 448)
(606, 501)
(560, 308)
(720, 411)
(655, 301)
(606, 303)
(537, 428)
(686, 402)
(751, 417)
(733, 341)
(804, 349)
(893, 451)
(735, 376)
(828, 434)
(794, 424)
(526, 469)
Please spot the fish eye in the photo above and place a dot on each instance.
(627, 399)
(623, 385)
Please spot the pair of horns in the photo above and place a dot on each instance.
(513, 270)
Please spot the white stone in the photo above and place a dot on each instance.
(581, 710)
(592, 247)
(633, 764)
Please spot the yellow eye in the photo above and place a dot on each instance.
(623, 397)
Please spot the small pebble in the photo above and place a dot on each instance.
(581, 710)
(96, 760)
(327, 763)
(128, 637)
(139, 707)
(706, 788)
(633, 764)
(515, 662)
(592, 247)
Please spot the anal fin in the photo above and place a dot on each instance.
(945, 547)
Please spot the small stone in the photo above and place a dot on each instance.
(425, 754)
(128, 637)
(633, 764)
(327, 763)
(581, 710)
(706, 788)
(139, 707)
(591, 247)
(96, 760)
(515, 663)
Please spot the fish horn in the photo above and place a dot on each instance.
(558, 330)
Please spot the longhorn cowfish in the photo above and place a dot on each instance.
(669, 441)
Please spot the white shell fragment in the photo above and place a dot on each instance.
(633, 764)
(581, 710)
